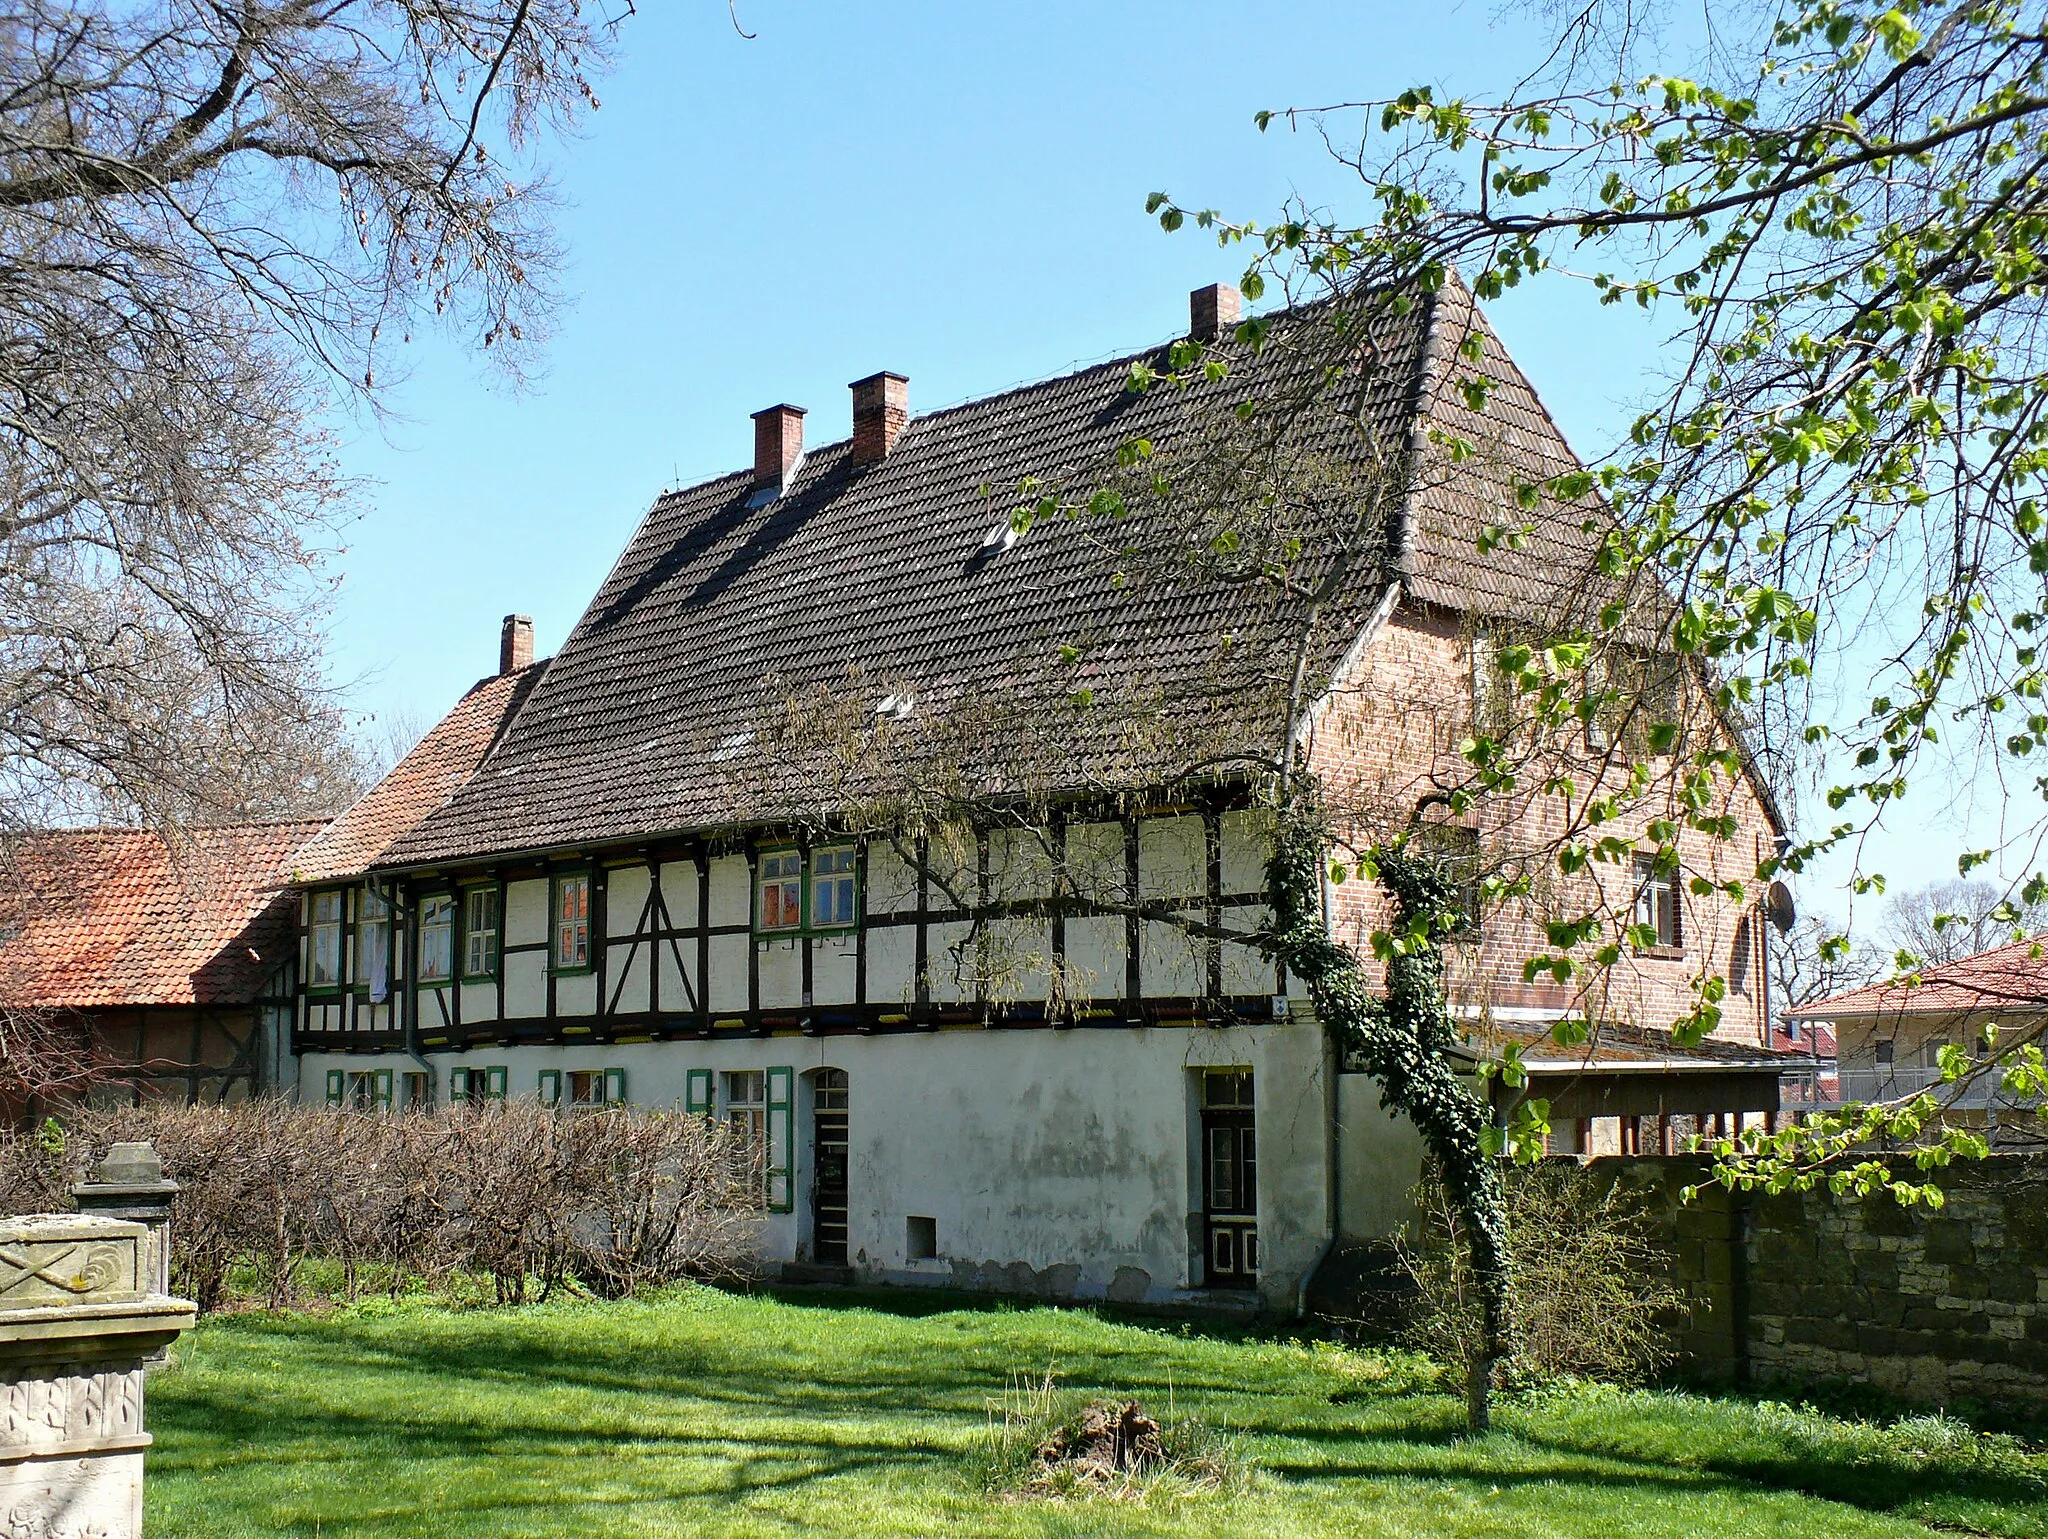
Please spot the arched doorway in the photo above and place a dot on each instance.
(828, 1167)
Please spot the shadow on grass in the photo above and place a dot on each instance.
(774, 1403)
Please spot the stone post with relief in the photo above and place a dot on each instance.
(78, 1317)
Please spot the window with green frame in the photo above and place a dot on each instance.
(480, 932)
(324, 911)
(835, 895)
(470, 1086)
(572, 922)
(791, 897)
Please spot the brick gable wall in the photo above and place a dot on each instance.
(1390, 732)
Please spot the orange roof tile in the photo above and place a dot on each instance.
(1998, 979)
(418, 784)
(103, 917)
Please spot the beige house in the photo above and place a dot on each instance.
(1888, 1036)
(914, 843)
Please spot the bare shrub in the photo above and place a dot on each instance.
(609, 1201)
(1589, 1294)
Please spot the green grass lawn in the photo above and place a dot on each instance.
(704, 1413)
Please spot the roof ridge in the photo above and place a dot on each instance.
(281, 821)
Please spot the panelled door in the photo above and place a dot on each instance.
(1230, 1184)
(828, 1166)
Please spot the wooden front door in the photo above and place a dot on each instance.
(828, 1166)
(1230, 1184)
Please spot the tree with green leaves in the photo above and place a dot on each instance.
(1829, 510)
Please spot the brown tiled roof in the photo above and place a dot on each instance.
(419, 783)
(1620, 1046)
(117, 917)
(2002, 978)
(668, 708)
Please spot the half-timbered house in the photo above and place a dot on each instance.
(911, 837)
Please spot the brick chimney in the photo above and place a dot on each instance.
(1213, 311)
(515, 643)
(778, 443)
(881, 405)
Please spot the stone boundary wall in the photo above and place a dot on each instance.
(1934, 1306)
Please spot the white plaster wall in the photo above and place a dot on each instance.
(526, 983)
(526, 912)
(679, 892)
(625, 896)
(576, 994)
(1053, 1162)
(732, 890)
(1379, 1162)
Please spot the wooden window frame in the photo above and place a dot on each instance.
(446, 976)
(342, 1084)
(780, 879)
(811, 882)
(556, 882)
(461, 1087)
(338, 979)
(496, 931)
(1654, 891)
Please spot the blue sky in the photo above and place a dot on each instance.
(955, 192)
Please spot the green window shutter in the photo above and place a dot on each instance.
(781, 1088)
(494, 1083)
(458, 1086)
(551, 1087)
(697, 1092)
(334, 1087)
(383, 1090)
(615, 1087)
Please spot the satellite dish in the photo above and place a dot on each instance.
(1778, 906)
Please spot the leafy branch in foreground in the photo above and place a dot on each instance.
(1832, 508)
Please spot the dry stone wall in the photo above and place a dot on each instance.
(1803, 1289)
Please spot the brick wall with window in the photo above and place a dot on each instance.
(1391, 732)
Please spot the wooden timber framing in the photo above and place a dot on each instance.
(679, 1003)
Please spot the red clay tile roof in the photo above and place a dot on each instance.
(660, 713)
(2006, 976)
(420, 782)
(114, 917)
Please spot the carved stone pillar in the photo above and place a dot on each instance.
(129, 1182)
(77, 1318)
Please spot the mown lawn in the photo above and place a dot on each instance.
(704, 1413)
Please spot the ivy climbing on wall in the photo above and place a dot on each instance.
(1402, 1037)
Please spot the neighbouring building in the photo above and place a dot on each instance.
(160, 969)
(910, 837)
(1887, 1037)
